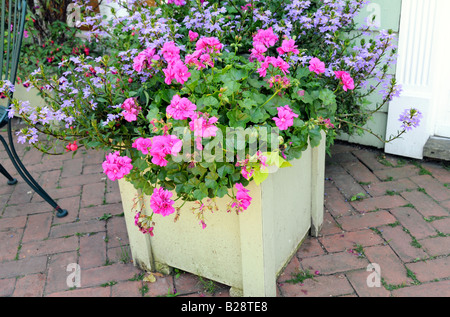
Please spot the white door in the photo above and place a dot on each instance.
(442, 84)
(423, 69)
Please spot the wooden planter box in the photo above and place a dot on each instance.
(246, 251)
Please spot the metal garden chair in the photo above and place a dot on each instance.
(13, 14)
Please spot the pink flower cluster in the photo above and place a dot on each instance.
(130, 109)
(257, 52)
(285, 117)
(247, 169)
(159, 147)
(116, 166)
(346, 80)
(177, 2)
(192, 36)
(181, 108)
(276, 63)
(72, 146)
(243, 199)
(176, 69)
(265, 37)
(142, 144)
(248, 6)
(163, 145)
(141, 222)
(144, 59)
(170, 52)
(161, 202)
(262, 40)
(282, 82)
(203, 126)
(326, 122)
(205, 50)
(288, 46)
(316, 66)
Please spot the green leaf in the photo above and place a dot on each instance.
(180, 178)
(201, 193)
(247, 103)
(225, 170)
(210, 180)
(315, 136)
(327, 96)
(302, 72)
(208, 101)
(274, 159)
(258, 115)
(254, 82)
(298, 123)
(232, 87)
(260, 176)
(198, 170)
(308, 98)
(210, 183)
(222, 191)
(238, 118)
(153, 113)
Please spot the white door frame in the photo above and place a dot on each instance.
(423, 43)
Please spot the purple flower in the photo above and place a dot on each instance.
(410, 119)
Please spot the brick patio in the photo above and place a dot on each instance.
(402, 224)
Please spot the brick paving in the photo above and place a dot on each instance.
(401, 223)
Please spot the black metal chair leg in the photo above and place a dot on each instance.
(60, 213)
(11, 180)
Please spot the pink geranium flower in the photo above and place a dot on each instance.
(278, 62)
(143, 145)
(209, 45)
(161, 202)
(257, 52)
(116, 166)
(170, 52)
(285, 118)
(265, 37)
(316, 66)
(163, 145)
(288, 46)
(130, 109)
(243, 199)
(262, 71)
(281, 64)
(181, 108)
(203, 126)
(192, 36)
(205, 59)
(177, 2)
(142, 224)
(178, 71)
(144, 59)
(346, 80)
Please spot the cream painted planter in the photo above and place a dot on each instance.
(245, 251)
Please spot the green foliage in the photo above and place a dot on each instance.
(48, 40)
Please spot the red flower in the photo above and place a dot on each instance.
(72, 146)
